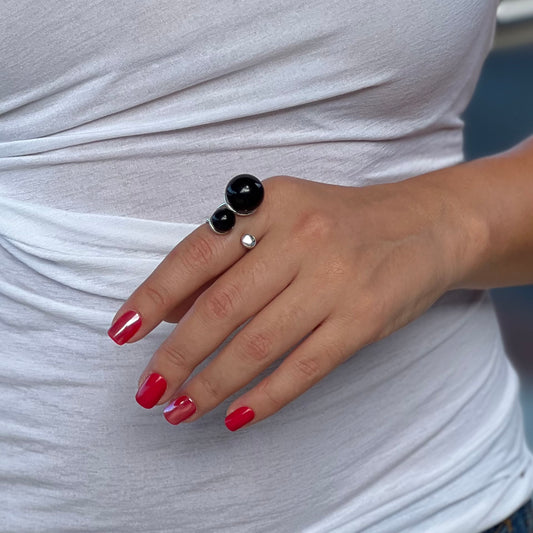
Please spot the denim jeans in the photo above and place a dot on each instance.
(520, 521)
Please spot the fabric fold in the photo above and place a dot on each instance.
(97, 254)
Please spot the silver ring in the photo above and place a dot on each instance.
(248, 240)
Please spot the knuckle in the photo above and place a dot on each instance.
(310, 368)
(337, 268)
(333, 353)
(275, 180)
(279, 191)
(199, 253)
(159, 296)
(257, 346)
(334, 348)
(276, 192)
(175, 357)
(220, 302)
(278, 183)
(292, 315)
(258, 271)
(265, 389)
(313, 226)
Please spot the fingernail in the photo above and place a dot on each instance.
(151, 390)
(239, 417)
(180, 409)
(125, 327)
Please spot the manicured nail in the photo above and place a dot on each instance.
(239, 417)
(125, 327)
(180, 409)
(151, 390)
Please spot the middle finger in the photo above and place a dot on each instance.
(268, 336)
(234, 297)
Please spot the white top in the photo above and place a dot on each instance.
(120, 125)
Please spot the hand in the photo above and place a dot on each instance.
(339, 266)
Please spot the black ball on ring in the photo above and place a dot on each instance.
(244, 194)
(222, 220)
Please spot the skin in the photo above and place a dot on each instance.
(340, 267)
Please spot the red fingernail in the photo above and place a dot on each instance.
(151, 390)
(125, 327)
(180, 409)
(239, 417)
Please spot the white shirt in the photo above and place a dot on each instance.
(120, 125)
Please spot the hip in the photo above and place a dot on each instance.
(521, 521)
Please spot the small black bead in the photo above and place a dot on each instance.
(244, 194)
(223, 219)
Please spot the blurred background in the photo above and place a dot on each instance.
(499, 116)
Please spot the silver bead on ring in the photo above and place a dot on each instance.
(248, 241)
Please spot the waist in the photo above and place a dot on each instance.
(181, 176)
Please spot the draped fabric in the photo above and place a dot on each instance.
(120, 124)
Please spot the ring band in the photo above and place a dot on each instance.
(244, 194)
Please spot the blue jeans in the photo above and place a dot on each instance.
(520, 521)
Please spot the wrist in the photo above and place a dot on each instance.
(459, 227)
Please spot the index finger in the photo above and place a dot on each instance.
(195, 260)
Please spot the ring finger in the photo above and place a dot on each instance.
(270, 334)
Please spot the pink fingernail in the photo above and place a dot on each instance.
(180, 409)
(239, 418)
(125, 327)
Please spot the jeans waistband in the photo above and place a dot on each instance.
(521, 521)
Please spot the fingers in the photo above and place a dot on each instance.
(272, 332)
(311, 361)
(179, 311)
(212, 285)
(236, 296)
(191, 265)
(194, 262)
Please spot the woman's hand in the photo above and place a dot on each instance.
(339, 266)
